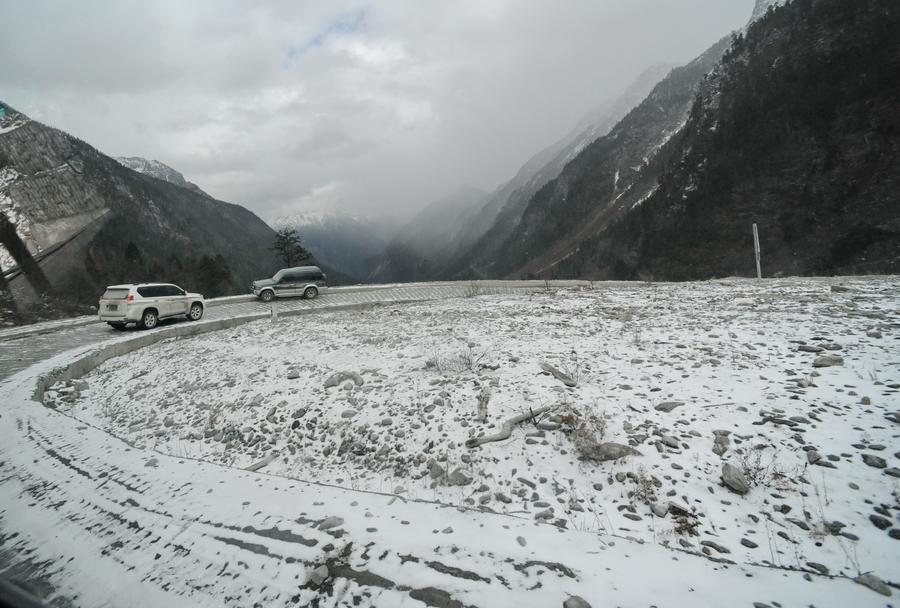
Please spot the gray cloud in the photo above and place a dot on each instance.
(376, 108)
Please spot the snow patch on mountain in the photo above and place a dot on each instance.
(159, 170)
(14, 214)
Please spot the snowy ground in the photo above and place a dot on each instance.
(692, 376)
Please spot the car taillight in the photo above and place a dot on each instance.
(131, 297)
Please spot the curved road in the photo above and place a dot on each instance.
(22, 347)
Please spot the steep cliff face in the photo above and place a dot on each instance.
(798, 132)
(92, 221)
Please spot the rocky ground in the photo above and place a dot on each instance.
(755, 423)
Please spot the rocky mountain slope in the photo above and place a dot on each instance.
(797, 130)
(612, 173)
(155, 168)
(350, 243)
(96, 222)
(484, 234)
(423, 246)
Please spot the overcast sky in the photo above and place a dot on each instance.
(377, 108)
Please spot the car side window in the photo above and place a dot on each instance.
(172, 290)
(149, 292)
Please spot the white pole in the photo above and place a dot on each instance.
(756, 251)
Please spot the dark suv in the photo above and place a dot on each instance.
(306, 281)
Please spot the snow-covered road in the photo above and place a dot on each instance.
(121, 493)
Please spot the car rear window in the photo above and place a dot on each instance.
(115, 294)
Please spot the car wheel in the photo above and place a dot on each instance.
(118, 326)
(195, 312)
(267, 295)
(310, 292)
(149, 319)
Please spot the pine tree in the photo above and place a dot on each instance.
(289, 248)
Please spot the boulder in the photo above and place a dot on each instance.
(828, 361)
(459, 478)
(734, 479)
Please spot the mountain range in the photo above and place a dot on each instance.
(790, 124)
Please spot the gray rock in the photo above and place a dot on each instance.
(318, 576)
(436, 471)
(874, 461)
(720, 444)
(734, 479)
(828, 361)
(809, 348)
(670, 441)
(349, 413)
(874, 583)
(749, 543)
(893, 472)
(715, 546)
(459, 478)
(882, 523)
(813, 457)
(330, 522)
(668, 406)
(820, 568)
(576, 601)
(658, 509)
(608, 451)
(293, 374)
(339, 377)
(521, 540)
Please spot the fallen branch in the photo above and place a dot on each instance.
(561, 376)
(506, 428)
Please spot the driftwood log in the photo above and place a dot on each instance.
(506, 428)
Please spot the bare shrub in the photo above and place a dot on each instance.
(768, 472)
(644, 488)
(586, 430)
(468, 359)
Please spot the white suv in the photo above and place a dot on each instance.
(146, 303)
